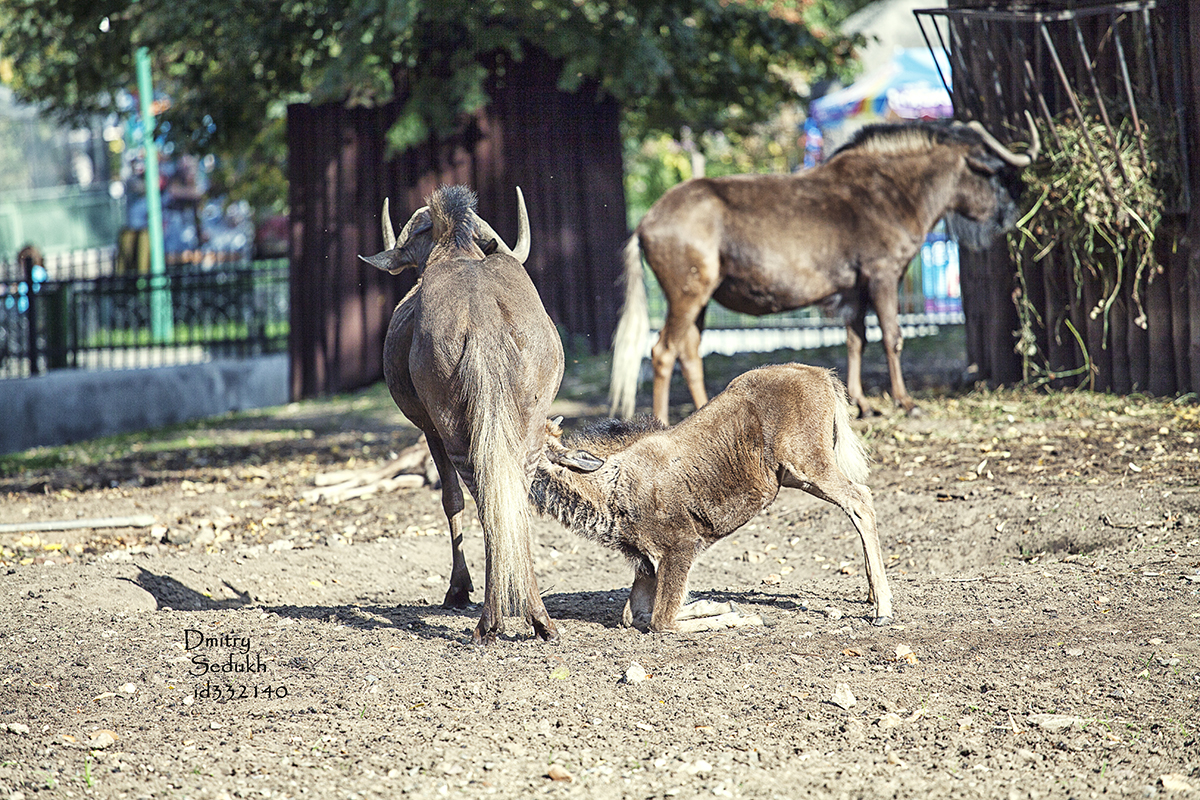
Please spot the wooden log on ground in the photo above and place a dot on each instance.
(411, 469)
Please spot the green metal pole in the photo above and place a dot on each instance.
(162, 323)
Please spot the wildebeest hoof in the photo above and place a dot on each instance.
(639, 619)
(880, 622)
(545, 631)
(488, 630)
(484, 639)
(915, 411)
(639, 622)
(457, 597)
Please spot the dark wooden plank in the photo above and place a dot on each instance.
(1060, 351)
(1094, 331)
(1175, 260)
(1162, 352)
(1035, 288)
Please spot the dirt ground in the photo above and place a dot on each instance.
(247, 642)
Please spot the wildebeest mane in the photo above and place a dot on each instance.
(455, 206)
(606, 436)
(907, 137)
(917, 137)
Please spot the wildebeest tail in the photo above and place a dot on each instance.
(848, 449)
(630, 336)
(502, 487)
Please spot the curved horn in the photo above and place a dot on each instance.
(521, 251)
(1006, 155)
(1035, 143)
(389, 235)
(407, 231)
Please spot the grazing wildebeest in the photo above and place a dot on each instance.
(661, 496)
(473, 360)
(841, 234)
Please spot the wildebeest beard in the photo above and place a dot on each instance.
(980, 234)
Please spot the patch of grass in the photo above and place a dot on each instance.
(358, 416)
(371, 409)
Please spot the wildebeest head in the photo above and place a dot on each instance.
(417, 239)
(990, 189)
(986, 175)
(587, 450)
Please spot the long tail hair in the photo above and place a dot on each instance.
(498, 453)
(630, 336)
(848, 449)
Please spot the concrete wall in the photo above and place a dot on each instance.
(70, 406)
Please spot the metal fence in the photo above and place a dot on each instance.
(95, 310)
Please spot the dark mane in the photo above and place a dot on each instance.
(611, 435)
(455, 205)
(907, 137)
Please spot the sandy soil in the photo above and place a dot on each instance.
(1043, 550)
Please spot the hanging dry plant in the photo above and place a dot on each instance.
(1101, 206)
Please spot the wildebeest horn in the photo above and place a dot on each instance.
(417, 223)
(1008, 156)
(521, 251)
(1035, 143)
(389, 235)
(393, 258)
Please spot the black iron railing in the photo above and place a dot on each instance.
(82, 311)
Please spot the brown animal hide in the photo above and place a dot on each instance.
(473, 360)
(841, 234)
(661, 496)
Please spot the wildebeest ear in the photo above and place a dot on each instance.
(490, 246)
(987, 167)
(579, 460)
(388, 261)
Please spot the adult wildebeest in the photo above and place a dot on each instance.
(472, 358)
(661, 496)
(841, 234)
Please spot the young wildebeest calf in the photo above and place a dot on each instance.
(662, 495)
(472, 358)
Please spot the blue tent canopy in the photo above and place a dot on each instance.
(909, 87)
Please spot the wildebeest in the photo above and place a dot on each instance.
(473, 360)
(661, 496)
(841, 234)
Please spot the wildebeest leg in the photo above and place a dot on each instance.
(543, 626)
(640, 605)
(458, 595)
(680, 338)
(491, 621)
(670, 613)
(861, 510)
(673, 568)
(690, 363)
(826, 482)
(885, 300)
(856, 337)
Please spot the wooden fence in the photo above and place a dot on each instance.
(1060, 314)
(564, 150)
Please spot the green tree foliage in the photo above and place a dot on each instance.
(705, 63)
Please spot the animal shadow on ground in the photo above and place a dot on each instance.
(415, 618)
(856, 606)
(434, 622)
